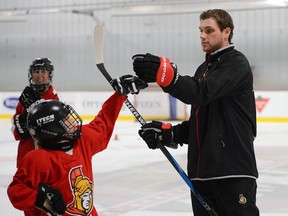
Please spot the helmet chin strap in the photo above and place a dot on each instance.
(41, 87)
(60, 146)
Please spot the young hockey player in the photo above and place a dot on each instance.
(57, 178)
(40, 87)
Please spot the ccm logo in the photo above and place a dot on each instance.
(11, 102)
(164, 70)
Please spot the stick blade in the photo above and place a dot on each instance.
(98, 42)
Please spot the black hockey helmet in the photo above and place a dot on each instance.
(54, 125)
(44, 64)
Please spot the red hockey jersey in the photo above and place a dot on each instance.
(71, 174)
(27, 144)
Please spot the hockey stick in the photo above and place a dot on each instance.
(99, 42)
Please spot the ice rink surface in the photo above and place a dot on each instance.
(132, 180)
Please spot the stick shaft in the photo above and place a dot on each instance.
(99, 41)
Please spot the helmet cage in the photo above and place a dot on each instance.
(69, 122)
(41, 64)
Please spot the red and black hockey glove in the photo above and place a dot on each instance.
(128, 84)
(29, 98)
(154, 132)
(151, 68)
(50, 200)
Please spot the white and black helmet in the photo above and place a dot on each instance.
(44, 64)
(50, 123)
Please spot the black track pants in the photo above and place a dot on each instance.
(228, 197)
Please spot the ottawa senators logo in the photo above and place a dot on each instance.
(242, 199)
(82, 189)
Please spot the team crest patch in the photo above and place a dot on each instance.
(242, 199)
(82, 189)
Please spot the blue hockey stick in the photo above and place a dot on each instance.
(98, 42)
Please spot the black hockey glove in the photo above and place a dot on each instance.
(29, 98)
(152, 68)
(50, 200)
(154, 132)
(128, 84)
(20, 125)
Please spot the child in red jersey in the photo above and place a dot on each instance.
(40, 88)
(57, 178)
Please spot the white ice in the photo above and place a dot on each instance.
(131, 179)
